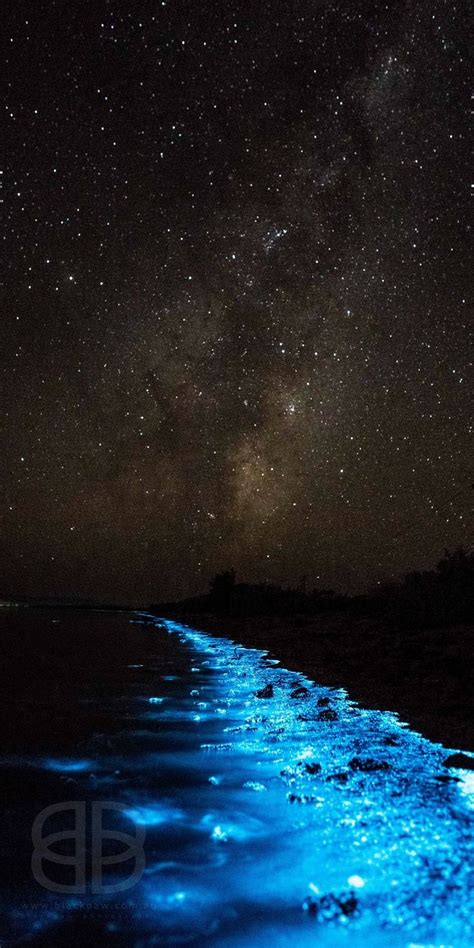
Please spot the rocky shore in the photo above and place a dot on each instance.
(425, 675)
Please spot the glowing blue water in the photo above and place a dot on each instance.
(290, 818)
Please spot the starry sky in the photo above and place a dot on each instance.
(235, 293)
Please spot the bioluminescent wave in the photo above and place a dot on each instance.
(277, 812)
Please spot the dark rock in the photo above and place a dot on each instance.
(311, 906)
(447, 778)
(323, 702)
(328, 715)
(330, 908)
(299, 798)
(463, 761)
(313, 768)
(348, 904)
(266, 692)
(368, 764)
(240, 728)
(340, 777)
(300, 692)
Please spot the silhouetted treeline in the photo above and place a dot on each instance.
(227, 597)
(248, 599)
(434, 597)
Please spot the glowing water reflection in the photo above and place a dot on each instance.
(276, 811)
(67, 766)
(336, 821)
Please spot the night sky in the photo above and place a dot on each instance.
(235, 293)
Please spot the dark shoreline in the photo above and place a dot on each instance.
(425, 675)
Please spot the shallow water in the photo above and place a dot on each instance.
(290, 818)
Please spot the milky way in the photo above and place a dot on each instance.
(235, 297)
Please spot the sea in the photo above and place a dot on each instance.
(165, 786)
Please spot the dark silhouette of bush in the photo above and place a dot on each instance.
(456, 584)
(221, 591)
(436, 597)
(258, 599)
(441, 596)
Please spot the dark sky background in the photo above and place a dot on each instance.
(235, 293)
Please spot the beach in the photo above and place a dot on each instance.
(425, 675)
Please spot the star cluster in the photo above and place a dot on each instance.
(236, 287)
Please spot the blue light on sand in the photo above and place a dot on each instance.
(153, 815)
(67, 765)
(278, 812)
(351, 837)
